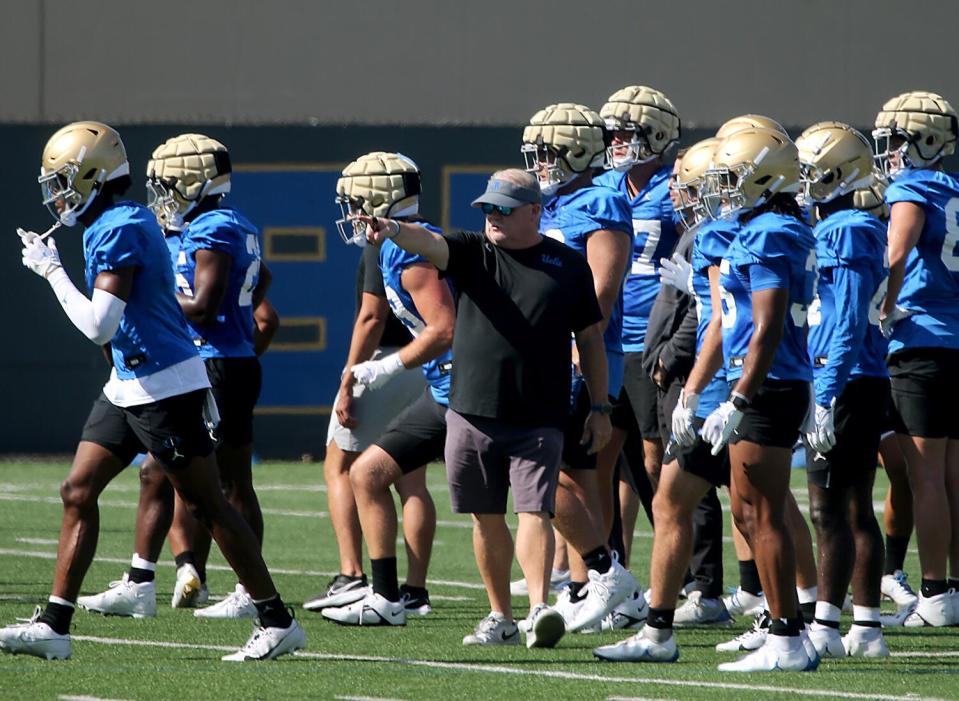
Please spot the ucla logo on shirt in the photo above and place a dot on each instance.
(553, 260)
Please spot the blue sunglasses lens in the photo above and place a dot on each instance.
(490, 208)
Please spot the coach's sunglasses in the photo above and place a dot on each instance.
(490, 208)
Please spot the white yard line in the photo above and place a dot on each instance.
(543, 673)
(65, 697)
(948, 653)
(365, 698)
(37, 541)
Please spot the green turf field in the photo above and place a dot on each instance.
(175, 656)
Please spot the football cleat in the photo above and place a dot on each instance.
(925, 124)
(558, 579)
(493, 630)
(181, 172)
(937, 611)
(32, 637)
(742, 603)
(236, 604)
(631, 613)
(188, 592)
(639, 648)
(896, 587)
(752, 639)
(863, 641)
(269, 643)
(342, 590)
(544, 627)
(701, 611)
(123, 598)
(772, 657)
(378, 184)
(415, 604)
(561, 142)
(826, 640)
(372, 610)
(644, 116)
(604, 592)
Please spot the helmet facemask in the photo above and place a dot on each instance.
(692, 207)
(548, 165)
(621, 157)
(893, 159)
(351, 229)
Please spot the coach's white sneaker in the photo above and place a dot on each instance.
(631, 613)
(123, 598)
(938, 610)
(752, 639)
(31, 637)
(742, 603)
(604, 592)
(342, 590)
(701, 611)
(826, 640)
(269, 643)
(372, 610)
(778, 653)
(896, 588)
(544, 627)
(558, 579)
(493, 630)
(188, 592)
(640, 648)
(236, 604)
(863, 641)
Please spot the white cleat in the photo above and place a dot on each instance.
(863, 641)
(810, 649)
(189, 592)
(372, 610)
(493, 631)
(269, 643)
(896, 587)
(639, 648)
(826, 640)
(566, 607)
(752, 639)
(342, 590)
(939, 610)
(236, 604)
(604, 592)
(630, 614)
(700, 611)
(742, 603)
(544, 627)
(558, 579)
(769, 658)
(123, 598)
(34, 638)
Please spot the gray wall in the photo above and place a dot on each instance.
(447, 62)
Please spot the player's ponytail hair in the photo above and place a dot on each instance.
(781, 203)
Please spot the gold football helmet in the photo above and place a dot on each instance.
(749, 121)
(379, 184)
(872, 199)
(748, 168)
(562, 141)
(77, 160)
(182, 171)
(834, 160)
(688, 181)
(651, 118)
(914, 130)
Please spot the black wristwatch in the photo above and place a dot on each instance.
(602, 408)
(739, 401)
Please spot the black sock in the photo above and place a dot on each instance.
(273, 613)
(749, 577)
(660, 618)
(896, 547)
(140, 576)
(414, 592)
(953, 583)
(385, 581)
(933, 587)
(577, 591)
(808, 611)
(785, 626)
(866, 624)
(830, 624)
(598, 559)
(58, 617)
(184, 558)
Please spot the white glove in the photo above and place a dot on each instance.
(376, 373)
(676, 272)
(39, 256)
(27, 236)
(720, 425)
(822, 438)
(684, 430)
(887, 324)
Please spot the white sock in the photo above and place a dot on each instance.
(808, 595)
(141, 564)
(827, 612)
(865, 614)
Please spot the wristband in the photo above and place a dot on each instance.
(739, 401)
(606, 409)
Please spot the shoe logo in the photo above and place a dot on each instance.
(503, 636)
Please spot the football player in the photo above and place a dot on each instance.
(154, 399)
(847, 352)
(766, 283)
(379, 185)
(914, 131)
(562, 145)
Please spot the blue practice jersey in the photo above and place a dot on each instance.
(654, 237)
(931, 287)
(773, 251)
(153, 334)
(226, 231)
(709, 247)
(393, 261)
(571, 219)
(844, 337)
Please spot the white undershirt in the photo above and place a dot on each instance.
(180, 378)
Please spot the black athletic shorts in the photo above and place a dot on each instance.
(698, 459)
(418, 435)
(236, 386)
(641, 393)
(925, 384)
(576, 456)
(171, 430)
(889, 416)
(775, 415)
(858, 419)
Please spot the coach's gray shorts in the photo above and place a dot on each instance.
(485, 457)
(374, 409)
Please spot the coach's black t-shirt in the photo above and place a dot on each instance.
(515, 310)
(369, 278)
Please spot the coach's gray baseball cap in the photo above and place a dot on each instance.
(507, 194)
